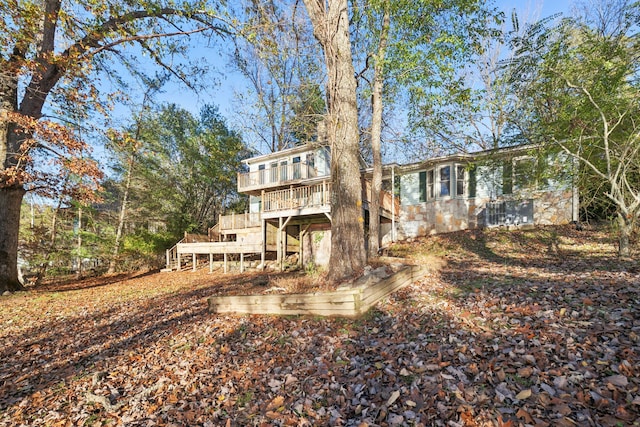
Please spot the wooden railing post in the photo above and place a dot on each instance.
(324, 192)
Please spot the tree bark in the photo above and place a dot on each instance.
(11, 193)
(10, 203)
(624, 241)
(330, 21)
(376, 136)
(122, 215)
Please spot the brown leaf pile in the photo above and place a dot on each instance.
(521, 328)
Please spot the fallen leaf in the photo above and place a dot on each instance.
(394, 396)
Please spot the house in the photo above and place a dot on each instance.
(290, 194)
(505, 187)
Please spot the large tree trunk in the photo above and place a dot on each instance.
(122, 216)
(331, 27)
(376, 137)
(626, 228)
(10, 203)
(11, 193)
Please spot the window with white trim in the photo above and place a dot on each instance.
(444, 176)
(461, 183)
(422, 185)
(431, 184)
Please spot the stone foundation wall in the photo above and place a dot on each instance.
(442, 216)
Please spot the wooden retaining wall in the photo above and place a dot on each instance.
(351, 302)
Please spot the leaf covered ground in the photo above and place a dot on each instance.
(536, 327)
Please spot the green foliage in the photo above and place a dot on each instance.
(581, 79)
(144, 250)
(186, 169)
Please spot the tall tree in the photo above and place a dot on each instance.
(188, 167)
(128, 146)
(581, 78)
(278, 58)
(53, 48)
(330, 19)
(415, 45)
(377, 88)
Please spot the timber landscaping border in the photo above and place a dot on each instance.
(349, 302)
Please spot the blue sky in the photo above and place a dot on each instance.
(229, 82)
(535, 9)
(222, 95)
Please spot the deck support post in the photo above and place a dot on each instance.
(179, 262)
(279, 243)
(264, 243)
(225, 263)
(241, 263)
(195, 262)
(210, 262)
(393, 204)
(282, 242)
(168, 259)
(301, 240)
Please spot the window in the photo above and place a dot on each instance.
(296, 168)
(261, 174)
(283, 170)
(431, 183)
(524, 173)
(507, 177)
(445, 181)
(274, 172)
(473, 182)
(423, 186)
(461, 184)
(311, 165)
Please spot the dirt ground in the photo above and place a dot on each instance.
(513, 328)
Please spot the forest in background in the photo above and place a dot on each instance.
(433, 79)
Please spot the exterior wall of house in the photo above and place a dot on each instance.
(255, 204)
(441, 216)
(437, 216)
(426, 211)
(321, 159)
(316, 244)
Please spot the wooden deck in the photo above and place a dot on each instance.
(242, 233)
(218, 248)
(291, 174)
(191, 250)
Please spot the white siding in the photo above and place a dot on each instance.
(323, 161)
(410, 189)
(254, 204)
(489, 181)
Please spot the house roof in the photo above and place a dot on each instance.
(460, 157)
(280, 154)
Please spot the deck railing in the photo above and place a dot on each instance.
(309, 196)
(278, 175)
(236, 221)
(387, 201)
